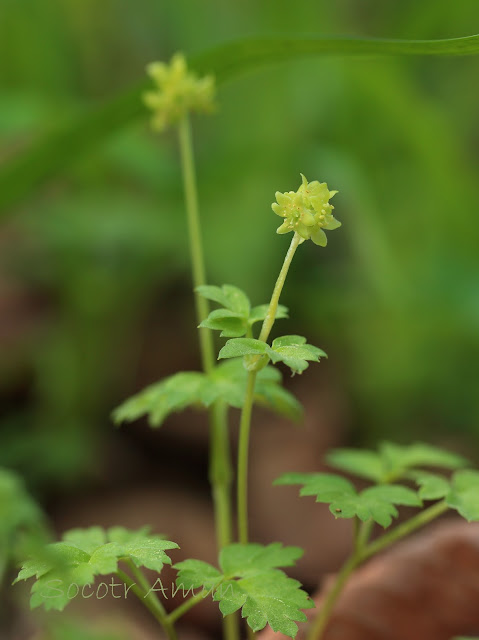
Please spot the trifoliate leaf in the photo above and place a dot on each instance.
(259, 313)
(432, 486)
(464, 494)
(63, 567)
(250, 580)
(345, 502)
(230, 323)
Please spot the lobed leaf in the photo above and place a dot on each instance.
(376, 502)
(238, 347)
(161, 399)
(294, 352)
(231, 323)
(359, 462)
(229, 296)
(227, 382)
(84, 554)
(251, 581)
(464, 494)
(392, 462)
(432, 486)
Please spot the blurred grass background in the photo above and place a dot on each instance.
(95, 291)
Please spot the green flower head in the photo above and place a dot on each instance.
(307, 211)
(177, 92)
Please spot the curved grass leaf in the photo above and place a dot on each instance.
(50, 155)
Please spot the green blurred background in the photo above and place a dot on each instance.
(95, 292)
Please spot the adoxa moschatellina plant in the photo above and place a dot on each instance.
(249, 576)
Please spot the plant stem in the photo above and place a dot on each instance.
(220, 468)
(151, 603)
(243, 450)
(278, 287)
(183, 608)
(194, 233)
(365, 551)
(319, 624)
(245, 422)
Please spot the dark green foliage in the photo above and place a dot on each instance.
(249, 579)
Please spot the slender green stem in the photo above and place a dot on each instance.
(245, 422)
(319, 624)
(364, 533)
(243, 451)
(196, 244)
(365, 551)
(404, 529)
(185, 606)
(278, 287)
(220, 468)
(221, 473)
(151, 603)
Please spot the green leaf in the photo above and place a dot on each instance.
(464, 494)
(22, 523)
(240, 560)
(375, 502)
(161, 399)
(398, 458)
(294, 352)
(359, 462)
(324, 485)
(193, 574)
(226, 382)
(238, 347)
(432, 486)
(393, 461)
(84, 554)
(259, 313)
(229, 296)
(250, 580)
(231, 323)
(49, 156)
(345, 502)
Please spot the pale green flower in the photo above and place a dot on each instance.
(307, 211)
(177, 92)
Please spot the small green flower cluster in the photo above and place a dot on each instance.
(177, 92)
(307, 211)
